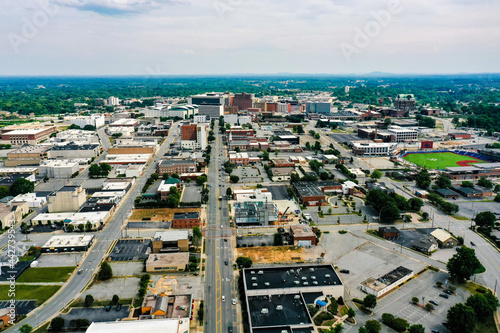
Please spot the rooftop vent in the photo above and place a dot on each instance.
(260, 272)
(267, 284)
(279, 307)
(264, 311)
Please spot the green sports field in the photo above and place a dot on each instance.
(441, 160)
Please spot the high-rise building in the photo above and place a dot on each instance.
(194, 136)
(243, 101)
(405, 102)
(318, 107)
(112, 101)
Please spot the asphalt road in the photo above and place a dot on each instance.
(93, 258)
(219, 278)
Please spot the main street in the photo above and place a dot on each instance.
(102, 242)
(219, 278)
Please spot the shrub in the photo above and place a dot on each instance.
(57, 324)
(323, 316)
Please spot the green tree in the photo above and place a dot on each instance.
(234, 178)
(485, 182)
(22, 186)
(89, 300)
(417, 328)
(4, 191)
(200, 180)
(461, 319)
(25, 329)
(442, 181)
(373, 326)
(351, 313)
(115, 299)
(70, 227)
(467, 183)
(415, 204)
(57, 324)
(81, 227)
(362, 329)
(105, 272)
(425, 215)
(414, 300)
(197, 236)
(229, 192)
(370, 301)
(389, 213)
(94, 170)
(483, 308)
(376, 174)
(485, 220)
(423, 179)
(463, 264)
(278, 239)
(244, 262)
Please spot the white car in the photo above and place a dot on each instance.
(223, 298)
(233, 301)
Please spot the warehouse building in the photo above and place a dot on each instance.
(68, 243)
(386, 283)
(59, 169)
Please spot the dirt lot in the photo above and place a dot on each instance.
(270, 254)
(159, 214)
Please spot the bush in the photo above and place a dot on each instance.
(323, 316)
(57, 324)
(89, 300)
(312, 310)
(105, 272)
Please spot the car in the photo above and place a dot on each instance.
(444, 296)
(230, 329)
(435, 331)
(225, 239)
(472, 243)
(434, 302)
(80, 271)
(226, 262)
(108, 308)
(223, 298)
(448, 291)
(233, 301)
(118, 307)
(345, 271)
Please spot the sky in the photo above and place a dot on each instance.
(195, 37)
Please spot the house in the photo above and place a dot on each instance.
(447, 193)
(425, 245)
(388, 232)
(167, 262)
(303, 235)
(444, 239)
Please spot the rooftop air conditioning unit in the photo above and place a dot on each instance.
(264, 311)
(279, 307)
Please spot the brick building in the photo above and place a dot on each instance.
(303, 235)
(27, 135)
(176, 166)
(243, 101)
(186, 220)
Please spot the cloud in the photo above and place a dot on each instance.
(115, 7)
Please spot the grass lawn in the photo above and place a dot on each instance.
(46, 274)
(440, 160)
(30, 292)
(487, 326)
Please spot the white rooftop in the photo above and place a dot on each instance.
(172, 325)
(69, 240)
(167, 236)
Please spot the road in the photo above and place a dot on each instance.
(91, 261)
(219, 278)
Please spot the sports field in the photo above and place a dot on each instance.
(441, 160)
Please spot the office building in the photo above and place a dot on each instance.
(402, 134)
(405, 102)
(374, 148)
(211, 110)
(67, 199)
(194, 136)
(243, 101)
(60, 169)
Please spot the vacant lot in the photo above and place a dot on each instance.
(270, 254)
(31, 292)
(159, 214)
(46, 274)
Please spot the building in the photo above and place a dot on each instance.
(243, 101)
(133, 147)
(92, 216)
(96, 120)
(402, 134)
(125, 122)
(277, 297)
(387, 282)
(255, 213)
(474, 171)
(213, 98)
(176, 166)
(309, 193)
(318, 107)
(122, 131)
(388, 232)
(447, 193)
(211, 110)
(60, 169)
(194, 136)
(67, 199)
(239, 158)
(171, 325)
(303, 235)
(75, 136)
(5, 317)
(287, 136)
(72, 151)
(430, 112)
(186, 220)
(27, 155)
(167, 306)
(167, 262)
(124, 159)
(164, 189)
(113, 101)
(459, 136)
(469, 192)
(12, 213)
(34, 200)
(252, 195)
(444, 238)
(405, 102)
(426, 244)
(171, 241)
(68, 243)
(31, 135)
(374, 148)
(282, 174)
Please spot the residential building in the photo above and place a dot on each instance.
(243, 101)
(67, 199)
(387, 282)
(444, 238)
(68, 243)
(167, 262)
(171, 325)
(113, 101)
(60, 169)
(402, 134)
(303, 235)
(405, 102)
(171, 241)
(31, 134)
(186, 220)
(176, 166)
(12, 213)
(374, 148)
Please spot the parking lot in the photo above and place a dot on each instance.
(191, 193)
(130, 250)
(96, 314)
(104, 290)
(407, 237)
(247, 175)
(279, 192)
(22, 307)
(59, 259)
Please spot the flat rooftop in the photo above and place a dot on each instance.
(299, 276)
(167, 236)
(277, 310)
(166, 259)
(187, 215)
(69, 240)
(172, 325)
(308, 189)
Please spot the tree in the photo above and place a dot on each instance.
(370, 301)
(234, 178)
(200, 180)
(389, 213)
(94, 170)
(461, 319)
(229, 192)
(467, 183)
(244, 262)
(81, 227)
(278, 239)
(429, 307)
(105, 272)
(376, 174)
(485, 182)
(25, 329)
(362, 329)
(414, 300)
(70, 227)
(485, 220)
(57, 324)
(351, 313)
(425, 215)
(115, 299)
(22, 186)
(415, 204)
(423, 179)
(442, 181)
(197, 236)
(463, 264)
(373, 326)
(417, 328)
(89, 300)
(482, 307)
(4, 191)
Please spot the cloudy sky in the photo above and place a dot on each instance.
(162, 37)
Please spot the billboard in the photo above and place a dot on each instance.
(426, 144)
